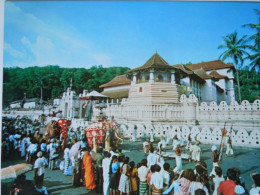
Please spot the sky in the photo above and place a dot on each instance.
(119, 33)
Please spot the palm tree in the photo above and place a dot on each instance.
(255, 57)
(235, 49)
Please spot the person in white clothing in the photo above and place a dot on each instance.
(229, 147)
(167, 137)
(156, 181)
(106, 177)
(142, 173)
(180, 138)
(195, 152)
(39, 165)
(166, 176)
(188, 142)
(134, 134)
(152, 158)
(175, 142)
(217, 179)
(178, 159)
(146, 147)
(151, 136)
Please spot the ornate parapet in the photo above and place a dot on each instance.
(245, 112)
(205, 134)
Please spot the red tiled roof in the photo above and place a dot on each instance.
(211, 65)
(117, 81)
(216, 75)
(202, 74)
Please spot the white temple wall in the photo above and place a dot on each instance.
(206, 135)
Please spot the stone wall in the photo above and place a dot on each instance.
(205, 135)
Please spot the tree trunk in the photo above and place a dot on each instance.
(238, 86)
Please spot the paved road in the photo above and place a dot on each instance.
(247, 160)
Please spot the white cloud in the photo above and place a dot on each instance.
(102, 59)
(45, 44)
(13, 52)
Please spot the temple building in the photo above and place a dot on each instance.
(157, 81)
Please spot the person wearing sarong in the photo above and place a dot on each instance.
(167, 136)
(39, 165)
(157, 181)
(89, 171)
(145, 147)
(152, 158)
(32, 149)
(215, 160)
(124, 183)
(229, 147)
(175, 142)
(98, 167)
(106, 177)
(23, 146)
(188, 145)
(142, 173)
(95, 144)
(114, 175)
(107, 142)
(134, 134)
(178, 167)
(195, 152)
(151, 136)
(133, 176)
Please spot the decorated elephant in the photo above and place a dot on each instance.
(52, 131)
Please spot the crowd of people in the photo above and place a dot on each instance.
(108, 171)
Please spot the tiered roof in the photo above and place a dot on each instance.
(155, 62)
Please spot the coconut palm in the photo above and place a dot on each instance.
(255, 57)
(235, 49)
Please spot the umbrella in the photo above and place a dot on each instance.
(95, 94)
(15, 170)
(74, 150)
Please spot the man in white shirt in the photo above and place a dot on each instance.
(142, 173)
(152, 158)
(39, 165)
(157, 181)
(166, 176)
(105, 166)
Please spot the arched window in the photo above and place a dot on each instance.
(140, 89)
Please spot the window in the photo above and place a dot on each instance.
(140, 89)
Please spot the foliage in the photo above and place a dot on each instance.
(249, 84)
(54, 80)
(255, 48)
(235, 49)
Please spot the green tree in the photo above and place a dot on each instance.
(255, 56)
(235, 49)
